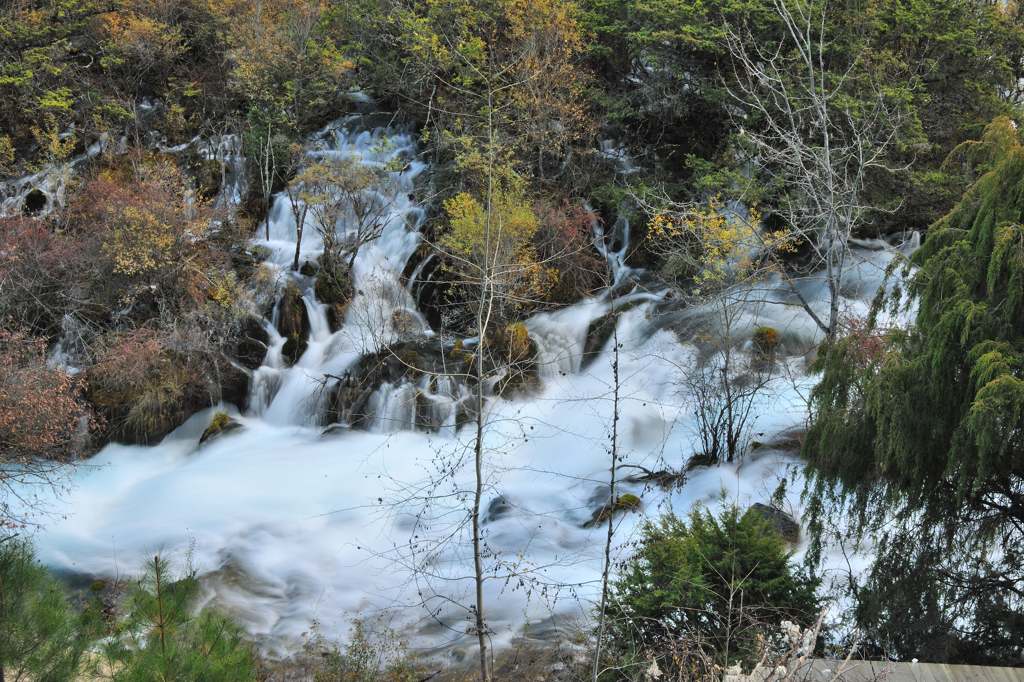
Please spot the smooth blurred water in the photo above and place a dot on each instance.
(294, 528)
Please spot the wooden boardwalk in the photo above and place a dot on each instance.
(865, 671)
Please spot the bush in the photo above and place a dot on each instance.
(40, 406)
(699, 593)
(142, 389)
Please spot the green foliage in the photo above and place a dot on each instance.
(665, 73)
(162, 636)
(930, 421)
(704, 590)
(41, 637)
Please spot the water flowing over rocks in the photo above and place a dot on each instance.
(341, 492)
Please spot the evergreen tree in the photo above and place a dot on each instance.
(704, 591)
(41, 636)
(928, 424)
(163, 638)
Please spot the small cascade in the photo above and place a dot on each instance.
(70, 348)
(613, 245)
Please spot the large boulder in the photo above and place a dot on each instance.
(404, 362)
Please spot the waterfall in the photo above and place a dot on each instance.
(291, 525)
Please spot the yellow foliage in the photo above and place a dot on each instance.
(49, 138)
(140, 242)
(717, 245)
(224, 290)
(498, 244)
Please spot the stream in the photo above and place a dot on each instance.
(295, 529)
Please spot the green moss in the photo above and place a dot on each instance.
(627, 502)
(221, 423)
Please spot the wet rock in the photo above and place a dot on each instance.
(406, 323)
(598, 333)
(253, 341)
(309, 268)
(220, 424)
(627, 502)
(293, 323)
(334, 288)
(234, 385)
(401, 363)
(498, 507)
(335, 430)
(782, 522)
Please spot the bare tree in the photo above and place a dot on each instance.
(261, 142)
(341, 188)
(806, 136)
(613, 470)
(725, 386)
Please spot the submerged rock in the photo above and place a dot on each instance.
(782, 522)
(498, 507)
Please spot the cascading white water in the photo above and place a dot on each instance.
(293, 527)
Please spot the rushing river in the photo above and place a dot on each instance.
(292, 527)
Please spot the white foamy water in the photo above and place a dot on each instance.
(292, 527)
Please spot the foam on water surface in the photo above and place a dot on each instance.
(292, 527)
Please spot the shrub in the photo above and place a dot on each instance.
(40, 406)
(699, 592)
(141, 388)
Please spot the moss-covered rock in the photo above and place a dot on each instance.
(627, 502)
(221, 423)
(334, 287)
(511, 351)
(766, 340)
(293, 323)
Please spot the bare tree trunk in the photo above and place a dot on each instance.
(483, 322)
(606, 567)
(298, 247)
